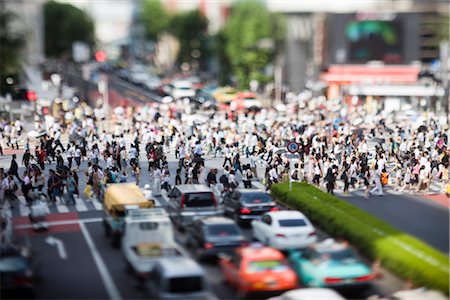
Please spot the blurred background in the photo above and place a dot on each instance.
(387, 56)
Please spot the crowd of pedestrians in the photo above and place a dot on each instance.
(334, 150)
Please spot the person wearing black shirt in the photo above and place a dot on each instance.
(211, 177)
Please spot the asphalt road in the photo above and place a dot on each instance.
(94, 269)
(415, 215)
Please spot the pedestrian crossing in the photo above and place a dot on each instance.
(21, 208)
(388, 191)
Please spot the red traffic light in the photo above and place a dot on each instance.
(100, 56)
(31, 96)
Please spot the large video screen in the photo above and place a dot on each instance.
(374, 40)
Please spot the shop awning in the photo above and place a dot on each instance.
(370, 74)
(394, 90)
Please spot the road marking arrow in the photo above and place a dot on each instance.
(59, 245)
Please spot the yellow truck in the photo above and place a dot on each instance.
(117, 200)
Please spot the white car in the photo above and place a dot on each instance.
(182, 89)
(309, 294)
(285, 229)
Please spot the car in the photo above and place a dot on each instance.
(330, 264)
(257, 268)
(117, 200)
(148, 236)
(178, 278)
(225, 95)
(182, 89)
(188, 202)
(17, 271)
(213, 235)
(247, 101)
(309, 294)
(244, 205)
(284, 229)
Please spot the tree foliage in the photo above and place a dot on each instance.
(65, 24)
(247, 31)
(190, 29)
(11, 44)
(155, 18)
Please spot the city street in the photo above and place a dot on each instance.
(101, 271)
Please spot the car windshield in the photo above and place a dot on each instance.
(199, 200)
(344, 256)
(292, 223)
(185, 284)
(266, 265)
(223, 230)
(256, 198)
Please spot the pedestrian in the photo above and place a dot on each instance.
(27, 188)
(178, 177)
(377, 181)
(10, 187)
(77, 156)
(70, 155)
(330, 179)
(14, 168)
(248, 176)
(71, 187)
(211, 177)
(366, 182)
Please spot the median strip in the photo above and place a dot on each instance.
(399, 252)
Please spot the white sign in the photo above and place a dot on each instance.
(80, 52)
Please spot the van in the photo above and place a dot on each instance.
(178, 278)
(189, 202)
(148, 236)
(118, 199)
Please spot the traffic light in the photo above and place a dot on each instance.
(24, 95)
(100, 56)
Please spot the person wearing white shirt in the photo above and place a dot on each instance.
(70, 155)
(110, 162)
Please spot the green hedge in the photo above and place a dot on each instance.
(401, 253)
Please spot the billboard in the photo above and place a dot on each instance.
(374, 40)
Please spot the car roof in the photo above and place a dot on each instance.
(217, 220)
(313, 294)
(180, 267)
(331, 245)
(247, 191)
(286, 214)
(260, 252)
(193, 188)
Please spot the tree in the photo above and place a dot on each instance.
(155, 18)
(190, 29)
(10, 51)
(253, 36)
(65, 24)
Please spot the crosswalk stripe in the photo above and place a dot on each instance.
(97, 205)
(62, 208)
(23, 208)
(79, 204)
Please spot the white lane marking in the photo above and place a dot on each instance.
(59, 246)
(79, 204)
(23, 208)
(65, 222)
(111, 288)
(97, 204)
(62, 208)
(258, 185)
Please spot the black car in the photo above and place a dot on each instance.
(245, 205)
(213, 235)
(16, 271)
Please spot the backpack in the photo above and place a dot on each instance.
(384, 178)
